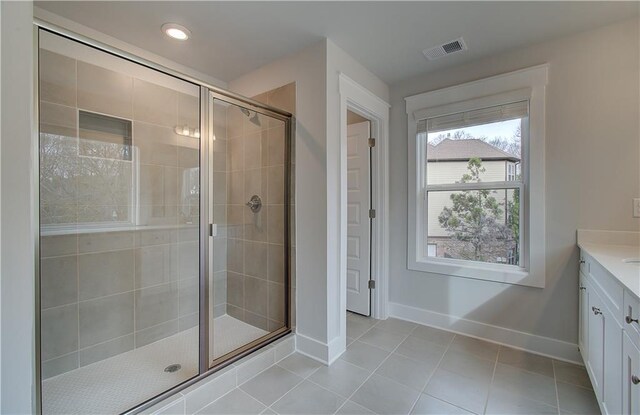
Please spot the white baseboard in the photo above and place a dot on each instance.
(319, 351)
(545, 346)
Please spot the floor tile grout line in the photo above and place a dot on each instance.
(555, 384)
(378, 367)
(435, 369)
(493, 376)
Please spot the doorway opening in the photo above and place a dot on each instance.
(360, 213)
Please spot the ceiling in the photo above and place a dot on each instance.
(230, 39)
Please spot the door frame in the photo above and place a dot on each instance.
(358, 99)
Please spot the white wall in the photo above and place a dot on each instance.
(17, 286)
(592, 170)
(338, 61)
(317, 178)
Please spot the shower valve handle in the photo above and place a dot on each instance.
(255, 203)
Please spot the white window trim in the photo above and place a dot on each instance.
(526, 84)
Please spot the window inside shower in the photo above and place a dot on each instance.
(164, 228)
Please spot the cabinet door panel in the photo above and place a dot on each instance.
(612, 379)
(630, 371)
(595, 363)
(583, 316)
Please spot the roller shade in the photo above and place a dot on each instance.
(480, 116)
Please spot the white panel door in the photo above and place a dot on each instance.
(631, 377)
(358, 222)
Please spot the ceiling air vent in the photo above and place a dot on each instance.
(448, 48)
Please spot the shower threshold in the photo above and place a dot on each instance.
(127, 379)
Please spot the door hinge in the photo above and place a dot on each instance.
(372, 213)
(372, 142)
(372, 284)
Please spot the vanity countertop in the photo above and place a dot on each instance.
(610, 249)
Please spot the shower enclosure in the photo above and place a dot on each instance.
(164, 228)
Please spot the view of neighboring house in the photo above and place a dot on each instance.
(447, 162)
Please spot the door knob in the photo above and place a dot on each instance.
(630, 320)
(583, 288)
(635, 379)
(596, 310)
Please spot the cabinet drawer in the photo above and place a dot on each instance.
(632, 312)
(608, 288)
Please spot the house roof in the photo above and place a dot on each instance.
(463, 150)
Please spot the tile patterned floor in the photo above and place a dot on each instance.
(396, 367)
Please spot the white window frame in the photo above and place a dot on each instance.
(527, 84)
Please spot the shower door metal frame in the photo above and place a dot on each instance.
(208, 92)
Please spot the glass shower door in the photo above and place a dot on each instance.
(249, 198)
(119, 235)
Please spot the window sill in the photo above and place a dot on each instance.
(507, 274)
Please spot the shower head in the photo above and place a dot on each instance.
(253, 119)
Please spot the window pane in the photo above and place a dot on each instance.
(476, 225)
(495, 145)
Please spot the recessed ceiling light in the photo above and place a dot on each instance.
(176, 31)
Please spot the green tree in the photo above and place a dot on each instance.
(475, 221)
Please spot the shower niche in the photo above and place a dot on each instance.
(165, 212)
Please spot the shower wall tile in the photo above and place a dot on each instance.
(275, 178)
(275, 224)
(235, 188)
(255, 259)
(235, 119)
(58, 119)
(220, 188)
(277, 299)
(275, 146)
(235, 289)
(155, 305)
(235, 221)
(188, 110)
(256, 320)
(235, 255)
(255, 183)
(155, 104)
(57, 78)
(219, 292)
(59, 365)
(253, 150)
(220, 146)
(155, 333)
(219, 262)
(188, 152)
(155, 144)
(104, 91)
(105, 350)
(284, 98)
(235, 154)
(156, 264)
(105, 273)
(106, 318)
(188, 299)
(188, 260)
(235, 312)
(59, 331)
(152, 237)
(105, 241)
(56, 245)
(275, 263)
(255, 224)
(189, 321)
(255, 295)
(59, 281)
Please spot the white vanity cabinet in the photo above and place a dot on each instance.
(611, 357)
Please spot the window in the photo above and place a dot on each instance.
(476, 208)
(471, 211)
